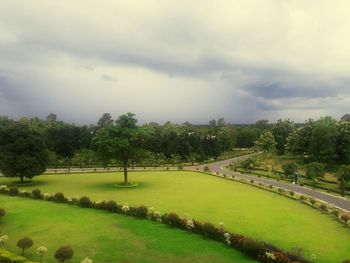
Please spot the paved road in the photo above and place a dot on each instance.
(219, 167)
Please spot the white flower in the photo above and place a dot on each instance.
(189, 224)
(227, 238)
(87, 260)
(186, 216)
(125, 208)
(47, 196)
(270, 255)
(41, 250)
(3, 240)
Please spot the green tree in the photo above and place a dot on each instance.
(344, 179)
(23, 153)
(343, 141)
(315, 170)
(64, 253)
(323, 140)
(122, 141)
(105, 120)
(266, 143)
(281, 131)
(298, 141)
(24, 243)
(226, 138)
(290, 169)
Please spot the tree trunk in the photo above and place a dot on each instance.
(21, 179)
(22, 247)
(125, 165)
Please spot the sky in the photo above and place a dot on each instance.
(175, 60)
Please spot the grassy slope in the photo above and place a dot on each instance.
(243, 209)
(105, 237)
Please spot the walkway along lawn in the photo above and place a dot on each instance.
(244, 209)
(103, 236)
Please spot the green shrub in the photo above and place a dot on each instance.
(206, 169)
(250, 247)
(85, 202)
(171, 219)
(64, 253)
(13, 191)
(209, 230)
(59, 197)
(291, 193)
(36, 193)
(290, 169)
(345, 218)
(111, 206)
(324, 207)
(141, 211)
(2, 212)
(312, 201)
(24, 243)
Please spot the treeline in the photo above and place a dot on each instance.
(325, 140)
(72, 145)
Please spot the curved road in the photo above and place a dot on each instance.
(218, 167)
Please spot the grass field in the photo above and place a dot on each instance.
(105, 237)
(244, 209)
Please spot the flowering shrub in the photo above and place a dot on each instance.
(125, 208)
(24, 193)
(41, 251)
(8, 257)
(46, 196)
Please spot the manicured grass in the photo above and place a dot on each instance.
(103, 236)
(244, 209)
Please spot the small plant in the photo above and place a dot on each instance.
(206, 169)
(345, 218)
(2, 212)
(180, 167)
(41, 251)
(324, 207)
(13, 191)
(85, 202)
(291, 193)
(111, 206)
(64, 253)
(24, 243)
(3, 240)
(252, 181)
(87, 260)
(312, 201)
(209, 230)
(172, 219)
(59, 197)
(36, 193)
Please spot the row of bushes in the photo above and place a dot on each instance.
(338, 213)
(256, 249)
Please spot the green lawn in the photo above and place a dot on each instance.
(244, 209)
(105, 237)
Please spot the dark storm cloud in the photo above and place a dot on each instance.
(174, 61)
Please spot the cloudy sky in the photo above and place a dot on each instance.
(175, 60)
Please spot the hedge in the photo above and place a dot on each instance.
(261, 251)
